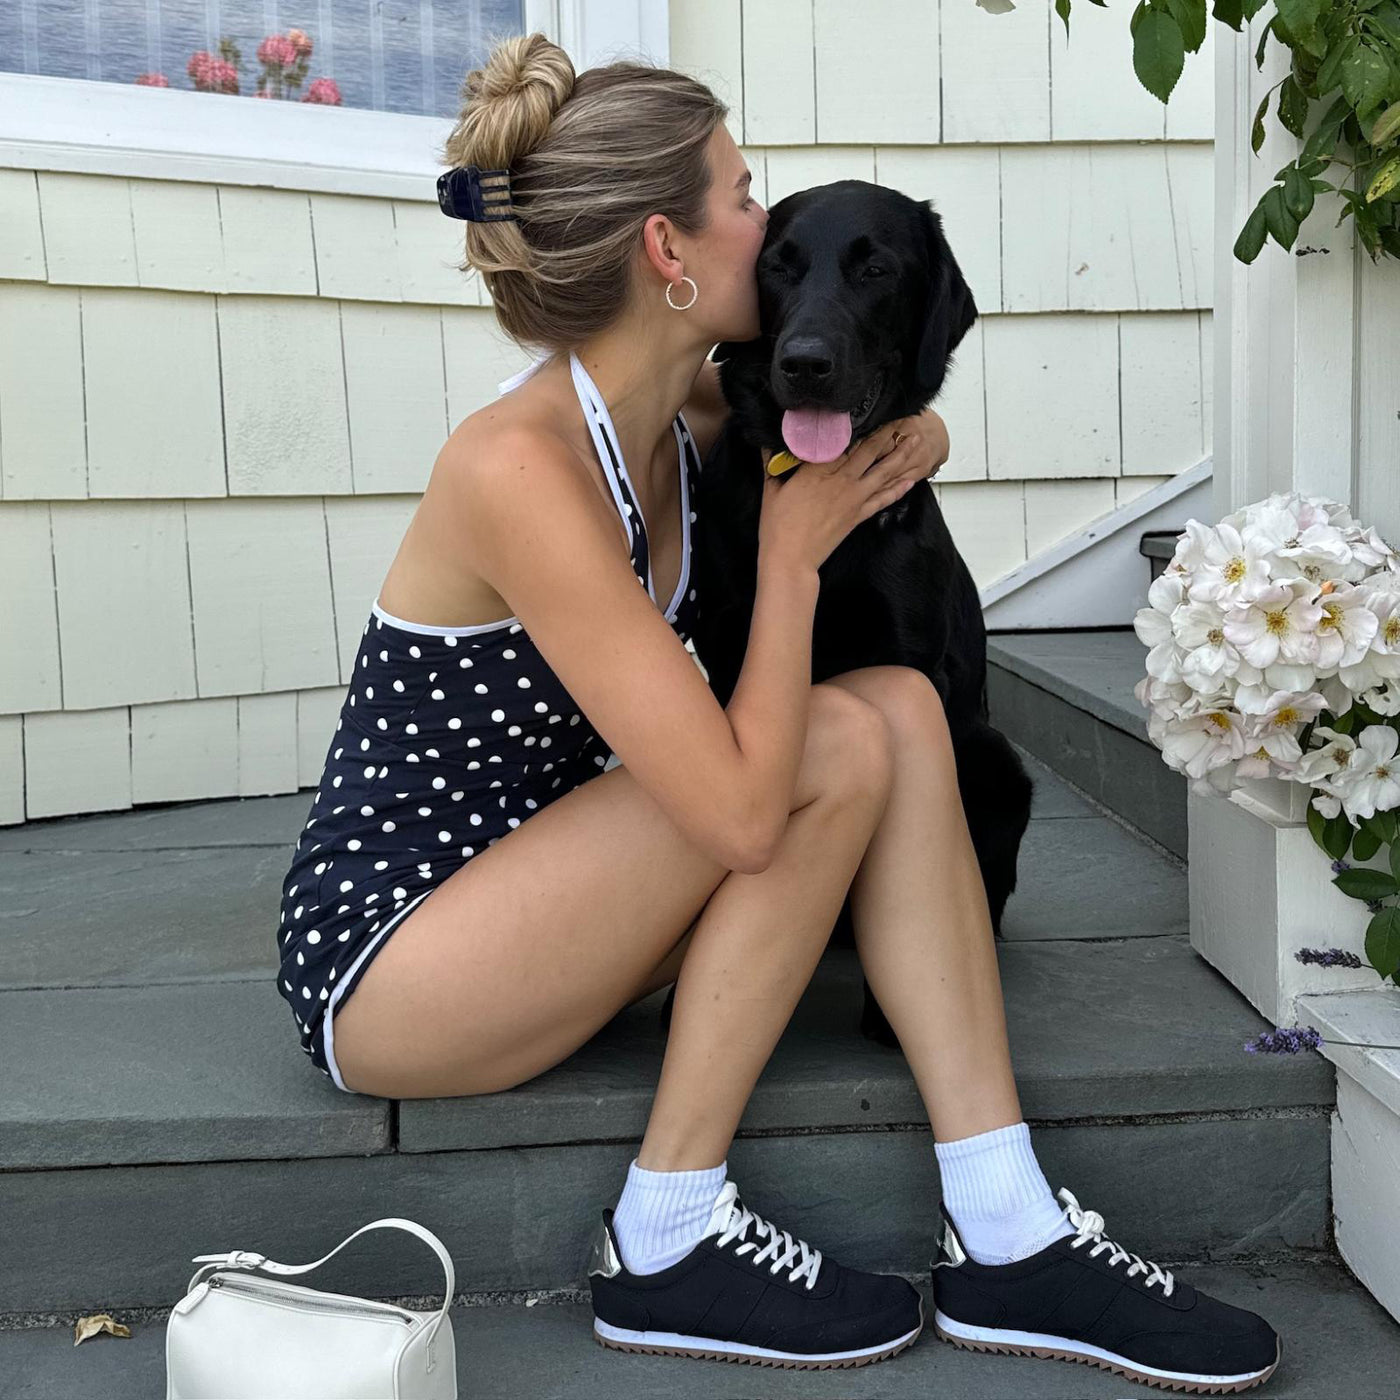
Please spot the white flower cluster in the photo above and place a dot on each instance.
(1286, 608)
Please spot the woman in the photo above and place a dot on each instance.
(533, 892)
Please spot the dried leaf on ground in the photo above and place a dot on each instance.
(90, 1326)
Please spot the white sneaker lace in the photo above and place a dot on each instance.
(1090, 1224)
(781, 1247)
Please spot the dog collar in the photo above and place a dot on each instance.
(781, 462)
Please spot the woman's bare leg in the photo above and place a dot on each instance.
(520, 957)
(920, 919)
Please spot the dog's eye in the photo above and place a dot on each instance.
(872, 271)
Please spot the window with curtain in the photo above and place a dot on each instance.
(385, 55)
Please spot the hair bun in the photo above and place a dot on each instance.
(509, 102)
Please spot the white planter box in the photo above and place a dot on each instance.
(1365, 1132)
(1261, 890)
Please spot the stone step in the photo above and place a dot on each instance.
(157, 1106)
(1337, 1341)
(1067, 698)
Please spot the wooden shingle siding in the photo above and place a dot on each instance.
(151, 383)
(285, 419)
(30, 675)
(185, 749)
(260, 581)
(219, 403)
(43, 445)
(21, 232)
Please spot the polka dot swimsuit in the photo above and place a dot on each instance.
(448, 739)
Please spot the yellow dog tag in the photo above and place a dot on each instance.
(781, 462)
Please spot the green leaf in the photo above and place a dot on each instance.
(1229, 12)
(1298, 194)
(1299, 17)
(1293, 107)
(1387, 126)
(1366, 844)
(1387, 825)
(1336, 836)
(1263, 40)
(1330, 74)
(1278, 217)
(1136, 20)
(1159, 53)
(1190, 16)
(1366, 884)
(1365, 77)
(1387, 178)
(1383, 942)
(1256, 134)
(1252, 7)
(1251, 238)
(1062, 9)
(1316, 823)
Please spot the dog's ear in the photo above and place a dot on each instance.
(949, 311)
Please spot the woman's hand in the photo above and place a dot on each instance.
(927, 435)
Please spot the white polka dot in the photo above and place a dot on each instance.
(438, 695)
(425, 811)
(306, 992)
(296, 913)
(439, 783)
(399, 892)
(384, 770)
(476, 818)
(313, 936)
(353, 844)
(364, 744)
(337, 780)
(444, 835)
(454, 724)
(410, 729)
(449, 641)
(465, 662)
(369, 772)
(513, 731)
(383, 723)
(301, 959)
(458, 796)
(508, 654)
(369, 692)
(414, 652)
(383, 655)
(432, 753)
(398, 685)
(346, 885)
(321, 868)
(412, 758)
(480, 689)
(338, 752)
(343, 937)
(366, 810)
(381, 865)
(388, 826)
(523, 682)
(498, 715)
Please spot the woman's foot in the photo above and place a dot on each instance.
(750, 1292)
(1085, 1298)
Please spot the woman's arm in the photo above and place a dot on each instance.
(931, 433)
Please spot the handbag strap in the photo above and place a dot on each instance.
(244, 1259)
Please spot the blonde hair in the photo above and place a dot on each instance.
(591, 157)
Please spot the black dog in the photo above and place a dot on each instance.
(862, 304)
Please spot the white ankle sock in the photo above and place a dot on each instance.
(998, 1196)
(661, 1216)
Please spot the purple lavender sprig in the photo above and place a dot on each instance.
(1338, 866)
(1298, 1038)
(1328, 957)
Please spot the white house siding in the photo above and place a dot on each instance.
(219, 403)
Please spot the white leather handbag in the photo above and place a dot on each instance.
(234, 1336)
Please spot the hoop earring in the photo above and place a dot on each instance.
(694, 292)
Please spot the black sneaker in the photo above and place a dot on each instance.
(749, 1292)
(1072, 1301)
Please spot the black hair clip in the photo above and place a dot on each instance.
(461, 195)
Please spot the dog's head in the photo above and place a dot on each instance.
(861, 303)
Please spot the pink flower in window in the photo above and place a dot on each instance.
(323, 91)
(301, 41)
(153, 80)
(278, 51)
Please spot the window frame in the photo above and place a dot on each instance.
(84, 127)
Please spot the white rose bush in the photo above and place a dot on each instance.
(1273, 645)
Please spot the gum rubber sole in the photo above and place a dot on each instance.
(785, 1362)
(1126, 1369)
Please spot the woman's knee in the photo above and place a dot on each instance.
(849, 742)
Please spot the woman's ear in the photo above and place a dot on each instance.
(948, 312)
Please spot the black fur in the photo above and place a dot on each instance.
(895, 591)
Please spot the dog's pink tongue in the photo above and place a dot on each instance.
(816, 434)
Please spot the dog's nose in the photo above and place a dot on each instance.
(805, 357)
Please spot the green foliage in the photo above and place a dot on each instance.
(1351, 47)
